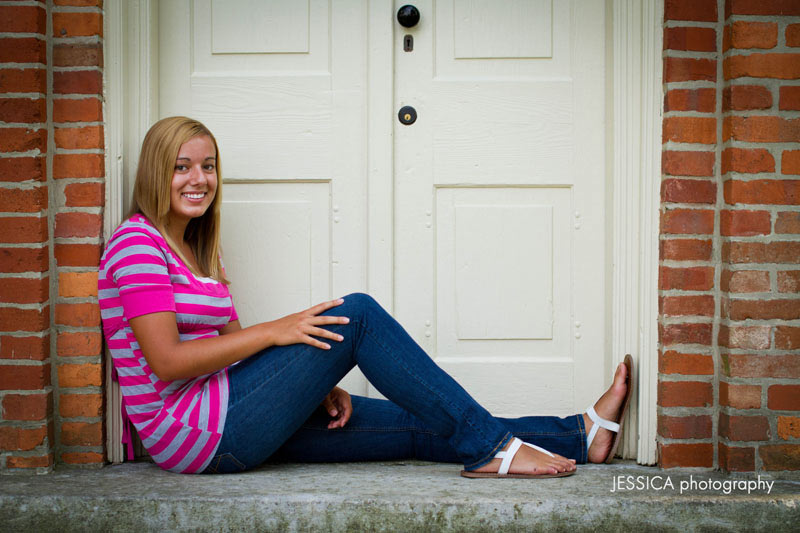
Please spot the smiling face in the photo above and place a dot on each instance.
(194, 181)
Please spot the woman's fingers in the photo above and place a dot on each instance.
(324, 306)
(325, 334)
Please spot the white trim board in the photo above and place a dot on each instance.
(131, 52)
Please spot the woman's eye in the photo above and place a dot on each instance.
(180, 167)
(209, 167)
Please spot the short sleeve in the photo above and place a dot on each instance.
(138, 267)
(234, 314)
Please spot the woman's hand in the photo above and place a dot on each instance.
(300, 327)
(339, 406)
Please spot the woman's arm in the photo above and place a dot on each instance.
(171, 359)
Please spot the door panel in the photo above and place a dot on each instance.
(500, 198)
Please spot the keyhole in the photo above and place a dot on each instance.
(407, 117)
(408, 43)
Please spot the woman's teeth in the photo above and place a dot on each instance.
(194, 195)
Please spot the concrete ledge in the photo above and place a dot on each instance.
(410, 496)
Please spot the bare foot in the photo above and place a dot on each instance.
(608, 407)
(531, 461)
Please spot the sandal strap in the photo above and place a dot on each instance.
(599, 422)
(508, 455)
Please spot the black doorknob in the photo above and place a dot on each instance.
(408, 16)
(407, 115)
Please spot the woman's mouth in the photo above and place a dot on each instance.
(193, 195)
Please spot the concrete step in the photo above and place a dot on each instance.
(400, 496)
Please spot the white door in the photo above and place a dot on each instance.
(498, 189)
(499, 195)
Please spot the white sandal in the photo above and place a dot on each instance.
(616, 427)
(508, 456)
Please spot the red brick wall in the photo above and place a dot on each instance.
(730, 254)
(52, 178)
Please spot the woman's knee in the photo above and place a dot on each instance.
(359, 301)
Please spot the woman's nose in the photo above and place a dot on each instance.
(197, 175)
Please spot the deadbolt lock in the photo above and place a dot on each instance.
(407, 115)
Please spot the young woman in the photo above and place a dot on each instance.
(206, 395)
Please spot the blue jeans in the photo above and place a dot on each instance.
(275, 395)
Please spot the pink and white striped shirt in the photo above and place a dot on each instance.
(180, 422)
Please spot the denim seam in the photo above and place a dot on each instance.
(373, 430)
(445, 400)
(488, 457)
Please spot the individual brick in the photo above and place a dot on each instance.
(79, 344)
(82, 458)
(23, 229)
(80, 255)
(788, 222)
(29, 110)
(760, 129)
(18, 169)
(82, 315)
(745, 34)
(686, 163)
(84, 195)
(80, 405)
(688, 69)
(81, 433)
(78, 166)
(686, 455)
(698, 10)
(685, 250)
(674, 362)
(687, 221)
(793, 35)
(21, 439)
(684, 427)
(745, 223)
(763, 7)
(27, 407)
(80, 3)
(23, 200)
(670, 334)
(79, 375)
(33, 461)
(789, 281)
(15, 260)
(783, 397)
(778, 192)
(24, 377)
(23, 19)
(688, 191)
(702, 305)
(690, 38)
(77, 284)
(743, 281)
(736, 458)
(759, 252)
(77, 24)
(739, 396)
(78, 225)
(22, 139)
(31, 348)
(15, 319)
(78, 82)
(778, 66)
(702, 100)
(23, 50)
(86, 137)
(702, 130)
(83, 110)
(745, 337)
(780, 456)
(687, 279)
(684, 394)
(743, 428)
(78, 55)
(747, 160)
(764, 309)
(25, 290)
(788, 427)
(790, 162)
(746, 97)
(762, 366)
(789, 98)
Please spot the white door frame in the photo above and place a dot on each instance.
(634, 150)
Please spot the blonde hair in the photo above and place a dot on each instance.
(151, 192)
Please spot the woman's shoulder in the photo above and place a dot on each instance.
(137, 224)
